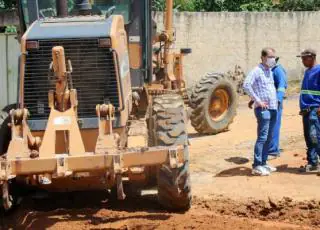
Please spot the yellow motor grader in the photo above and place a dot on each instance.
(102, 102)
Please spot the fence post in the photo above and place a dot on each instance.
(3, 71)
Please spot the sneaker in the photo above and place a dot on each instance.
(260, 171)
(270, 168)
(311, 168)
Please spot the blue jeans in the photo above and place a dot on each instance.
(275, 142)
(311, 130)
(266, 122)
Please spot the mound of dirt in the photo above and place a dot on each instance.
(96, 211)
(305, 213)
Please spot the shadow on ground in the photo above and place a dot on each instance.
(238, 171)
(238, 160)
(294, 170)
(245, 171)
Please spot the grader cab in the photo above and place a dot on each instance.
(102, 103)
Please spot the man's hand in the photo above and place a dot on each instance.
(318, 112)
(250, 104)
(263, 105)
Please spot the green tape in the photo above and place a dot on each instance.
(282, 90)
(310, 92)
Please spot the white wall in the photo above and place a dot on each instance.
(222, 40)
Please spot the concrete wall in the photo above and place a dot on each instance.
(222, 40)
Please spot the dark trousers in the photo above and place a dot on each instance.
(311, 130)
(266, 119)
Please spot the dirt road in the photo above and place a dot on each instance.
(226, 196)
(222, 164)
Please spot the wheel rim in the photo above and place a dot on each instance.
(219, 104)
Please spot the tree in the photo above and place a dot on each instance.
(240, 5)
(7, 4)
(181, 5)
(262, 5)
(299, 5)
(216, 5)
(210, 5)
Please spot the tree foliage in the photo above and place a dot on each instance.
(7, 4)
(299, 5)
(218, 5)
(240, 5)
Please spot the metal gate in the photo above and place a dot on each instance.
(9, 54)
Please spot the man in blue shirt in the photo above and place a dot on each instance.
(281, 84)
(310, 108)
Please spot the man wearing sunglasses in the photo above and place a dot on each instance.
(259, 85)
(310, 108)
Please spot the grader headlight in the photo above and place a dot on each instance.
(32, 45)
(105, 43)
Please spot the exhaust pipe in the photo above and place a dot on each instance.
(62, 8)
(169, 16)
(84, 7)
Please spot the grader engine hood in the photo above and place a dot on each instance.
(79, 27)
(97, 50)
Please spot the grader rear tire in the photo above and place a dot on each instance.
(5, 132)
(168, 128)
(214, 101)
